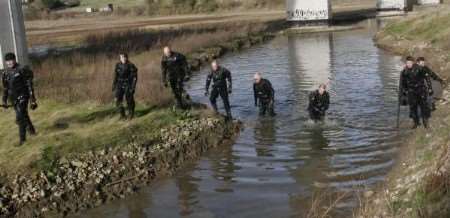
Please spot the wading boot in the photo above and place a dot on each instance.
(228, 117)
(123, 115)
(425, 123)
(31, 129)
(131, 114)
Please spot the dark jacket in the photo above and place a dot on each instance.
(414, 81)
(174, 67)
(318, 102)
(430, 74)
(263, 91)
(221, 79)
(125, 76)
(17, 82)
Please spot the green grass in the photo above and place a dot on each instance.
(103, 3)
(432, 28)
(64, 129)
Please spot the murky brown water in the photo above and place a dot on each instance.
(278, 163)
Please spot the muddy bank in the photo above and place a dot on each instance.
(82, 181)
(419, 185)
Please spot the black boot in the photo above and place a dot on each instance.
(229, 117)
(425, 123)
(22, 135)
(214, 107)
(130, 114)
(32, 130)
(122, 113)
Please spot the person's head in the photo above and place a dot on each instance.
(10, 60)
(409, 62)
(257, 77)
(214, 65)
(421, 61)
(123, 57)
(322, 88)
(167, 51)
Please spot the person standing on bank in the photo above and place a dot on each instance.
(124, 85)
(319, 102)
(264, 95)
(221, 86)
(413, 83)
(430, 76)
(175, 71)
(19, 92)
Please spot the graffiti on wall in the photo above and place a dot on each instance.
(307, 14)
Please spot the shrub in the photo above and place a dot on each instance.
(51, 4)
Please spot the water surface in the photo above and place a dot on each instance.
(278, 164)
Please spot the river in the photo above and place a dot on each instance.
(278, 164)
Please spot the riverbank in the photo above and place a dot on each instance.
(419, 184)
(79, 138)
(65, 179)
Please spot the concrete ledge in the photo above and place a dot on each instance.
(318, 29)
(391, 13)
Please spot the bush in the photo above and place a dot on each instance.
(51, 4)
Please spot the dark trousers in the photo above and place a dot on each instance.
(177, 89)
(223, 93)
(266, 105)
(316, 115)
(121, 93)
(22, 118)
(418, 107)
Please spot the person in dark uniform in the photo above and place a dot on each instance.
(19, 92)
(124, 85)
(430, 76)
(222, 86)
(175, 71)
(319, 102)
(413, 83)
(264, 95)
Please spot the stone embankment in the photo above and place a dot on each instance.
(83, 181)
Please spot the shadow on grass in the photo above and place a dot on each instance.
(95, 116)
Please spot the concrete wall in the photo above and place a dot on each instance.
(308, 10)
(12, 31)
(393, 4)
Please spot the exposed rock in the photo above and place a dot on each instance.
(96, 177)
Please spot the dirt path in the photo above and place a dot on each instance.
(73, 31)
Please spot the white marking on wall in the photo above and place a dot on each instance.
(391, 4)
(428, 2)
(308, 10)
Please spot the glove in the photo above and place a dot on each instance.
(206, 93)
(430, 92)
(187, 78)
(33, 105)
(230, 91)
(165, 84)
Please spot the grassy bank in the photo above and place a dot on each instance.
(65, 129)
(79, 133)
(76, 112)
(91, 78)
(419, 186)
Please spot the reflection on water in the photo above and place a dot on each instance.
(277, 164)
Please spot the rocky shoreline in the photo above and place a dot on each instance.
(83, 181)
